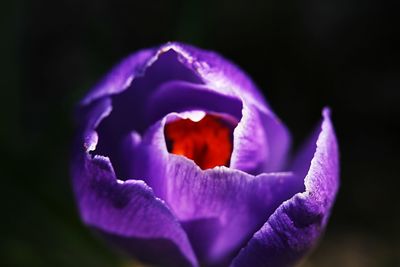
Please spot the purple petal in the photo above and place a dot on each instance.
(130, 105)
(121, 76)
(129, 214)
(219, 73)
(88, 120)
(250, 148)
(250, 143)
(222, 207)
(293, 229)
(126, 213)
(226, 78)
(278, 143)
(236, 203)
(178, 96)
(128, 91)
(135, 83)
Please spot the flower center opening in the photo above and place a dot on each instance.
(208, 142)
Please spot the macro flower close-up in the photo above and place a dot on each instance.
(179, 160)
(196, 133)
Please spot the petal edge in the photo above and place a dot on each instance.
(126, 210)
(294, 228)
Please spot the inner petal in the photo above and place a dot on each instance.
(207, 141)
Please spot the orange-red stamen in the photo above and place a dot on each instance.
(207, 142)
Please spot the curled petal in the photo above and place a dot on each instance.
(129, 104)
(88, 119)
(128, 213)
(222, 207)
(177, 96)
(219, 73)
(250, 146)
(231, 204)
(144, 87)
(219, 208)
(294, 228)
(226, 78)
(121, 76)
(278, 143)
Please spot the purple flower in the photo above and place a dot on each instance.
(180, 162)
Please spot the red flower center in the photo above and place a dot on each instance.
(207, 142)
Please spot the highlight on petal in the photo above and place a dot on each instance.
(150, 191)
(128, 213)
(231, 204)
(180, 96)
(294, 228)
(251, 151)
(121, 76)
(219, 73)
(175, 78)
(221, 206)
(278, 143)
(226, 78)
(129, 106)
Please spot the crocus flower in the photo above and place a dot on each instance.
(179, 161)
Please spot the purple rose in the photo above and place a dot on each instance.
(180, 162)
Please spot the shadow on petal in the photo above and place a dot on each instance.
(295, 227)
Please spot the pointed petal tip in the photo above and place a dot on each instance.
(296, 225)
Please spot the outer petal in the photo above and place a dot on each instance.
(226, 78)
(126, 212)
(220, 207)
(177, 96)
(121, 76)
(219, 73)
(294, 228)
(130, 105)
(131, 84)
(191, 65)
(250, 149)
(230, 204)
(130, 214)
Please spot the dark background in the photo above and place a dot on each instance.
(303, 54)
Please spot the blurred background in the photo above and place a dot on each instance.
(302, 54)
